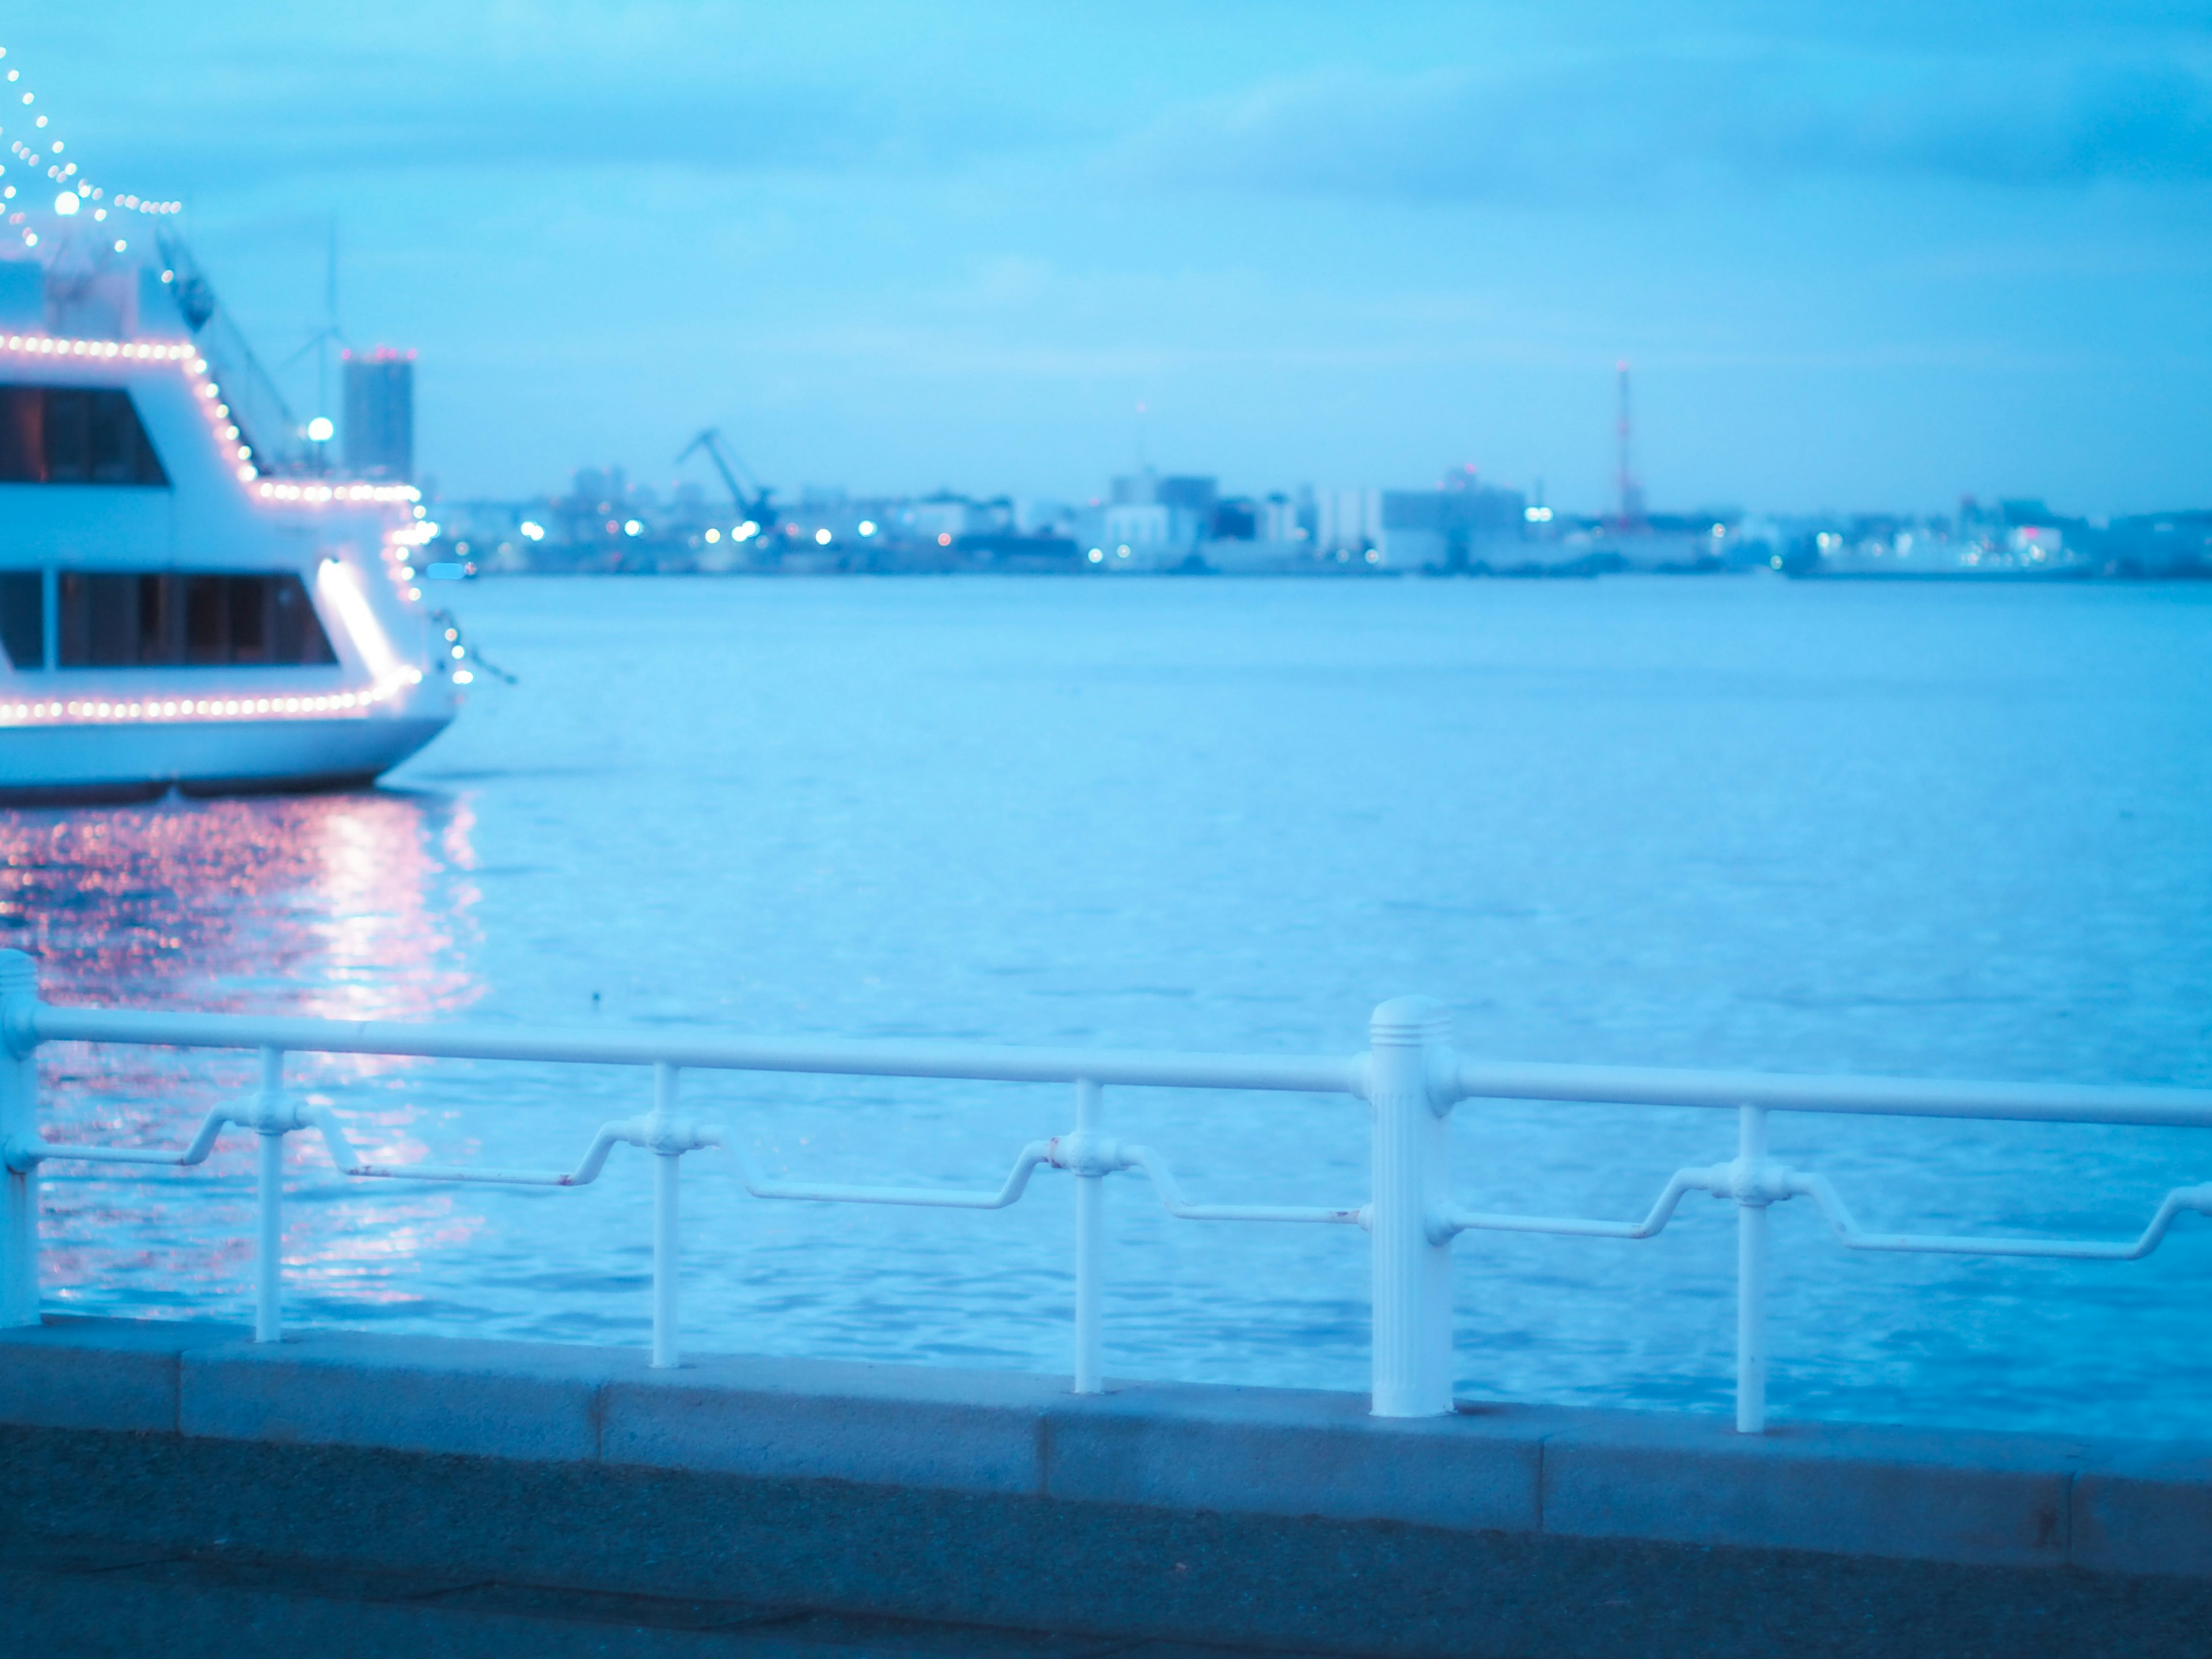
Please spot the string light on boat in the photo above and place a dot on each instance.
(151, 351)
(323, 495)
(111, 710)
(73, 200)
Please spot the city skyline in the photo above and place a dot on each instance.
(1886, 261)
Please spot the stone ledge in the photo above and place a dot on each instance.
(1851, 1490)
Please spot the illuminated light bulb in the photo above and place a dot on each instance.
(320, 430)
(67, 202)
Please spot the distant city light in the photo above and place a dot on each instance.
(633, 527)
(1374, 556)
(1097, 556)
(1538, 516)
(747, 529)
(868, 526)
(320, 430)
(945, 538)
(712, 534)
(822, 537)
(533, 530)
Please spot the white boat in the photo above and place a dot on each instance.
(186, 600)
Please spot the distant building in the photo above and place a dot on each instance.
(600, 490)
(941, 519)
(1460, 525)
(1348, 521)
(1146, 528)
(1195, 496)
(1276, 519)
(379, 414)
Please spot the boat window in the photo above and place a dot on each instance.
(74, 434)
(168, 618)
(23, 617)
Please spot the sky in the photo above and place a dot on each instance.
(1859, 256)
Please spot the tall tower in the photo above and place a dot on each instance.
(1631, 493)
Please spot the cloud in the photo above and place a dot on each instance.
(1622, 127)
(284, 120)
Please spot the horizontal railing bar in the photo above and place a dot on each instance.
(853, 1058)
(1624, 1085)
(1635, 1085)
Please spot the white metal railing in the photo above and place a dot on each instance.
(1409, 1076)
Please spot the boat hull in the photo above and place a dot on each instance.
(60, 764)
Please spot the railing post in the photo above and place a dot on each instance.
(18, 1124)
(269, 1257)
(1751, 1274)
(667, 1167)
(1089, 1250)
(1413, 1326)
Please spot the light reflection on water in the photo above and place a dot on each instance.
(340, 907)
(1953, 832)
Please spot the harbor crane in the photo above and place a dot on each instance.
(758, 506)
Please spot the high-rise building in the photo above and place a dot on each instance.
(379, 414)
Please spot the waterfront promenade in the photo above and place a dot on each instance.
(178, 1487)
(268, 1486)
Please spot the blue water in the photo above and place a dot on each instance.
(1952, 830)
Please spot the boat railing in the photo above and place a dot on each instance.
(1409, 1077)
